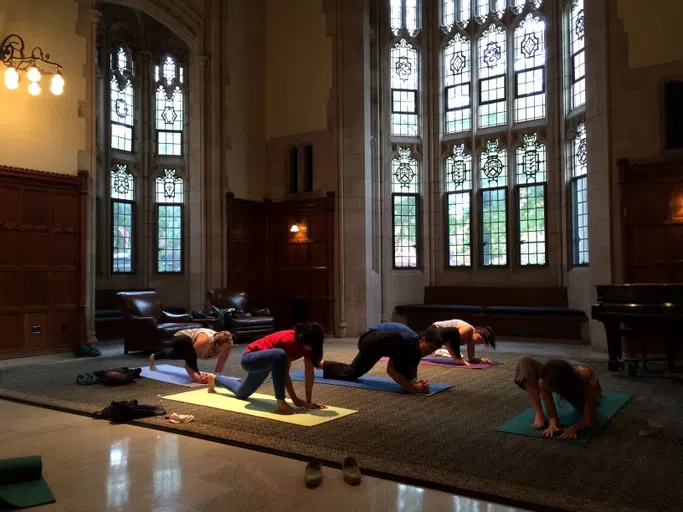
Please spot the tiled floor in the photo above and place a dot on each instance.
(92, 465)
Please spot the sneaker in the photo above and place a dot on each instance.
(351, 471)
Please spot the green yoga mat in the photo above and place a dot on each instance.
(22, 484)
(609, 405)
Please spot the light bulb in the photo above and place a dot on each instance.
(57, 86)
(34, 89)
(11, 78)
(294, 229)
(33, 74)
(58, 81)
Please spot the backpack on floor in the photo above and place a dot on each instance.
(118, 376)
(126, 410)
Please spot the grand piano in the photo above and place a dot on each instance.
(641, 311)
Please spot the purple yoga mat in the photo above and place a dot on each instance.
(447, 361)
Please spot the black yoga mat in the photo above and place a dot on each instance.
(22, 484)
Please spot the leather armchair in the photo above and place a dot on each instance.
(245, 328)
(146, 325)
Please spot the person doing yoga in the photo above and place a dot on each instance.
(577, 384)
(458, 332)
(190, 344)
(273, 354)
(400, 343)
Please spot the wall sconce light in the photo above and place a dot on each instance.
(295, 226)
(37, 64)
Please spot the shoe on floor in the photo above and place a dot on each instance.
(313, 476)
(351, 471)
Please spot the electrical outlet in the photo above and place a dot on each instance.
(35, 329)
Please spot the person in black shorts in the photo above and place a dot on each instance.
(404, 348)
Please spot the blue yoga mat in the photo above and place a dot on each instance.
(171, 374)
(609, 405)
(368, 382)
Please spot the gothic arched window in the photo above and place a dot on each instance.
(404, 89)
(122, 193)
(531, 165)
(170, 196)
(457, 69)
(530, 76)
(405, 195)
(492, 49)
(169, 107)
(458, 186)
(579, 195)
(493, 181)
(577, 51)
(122, 99)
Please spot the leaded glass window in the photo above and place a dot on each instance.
(405, 204)
(458, 186)
(404, 89)
(458, 84)
(464, 11)
(518, 5)
(169, 199)
(122, 193)
(530, 68)
(579, 192)
(405, 14)
(169, 107)
(578, 54)
(448, 13)
(493, 184)
(484, 7)
(122, 99)
(492, 49)
(531, 175)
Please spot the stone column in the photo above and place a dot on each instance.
(87, 160)
(197, 252)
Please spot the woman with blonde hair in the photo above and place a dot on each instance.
(191, 344)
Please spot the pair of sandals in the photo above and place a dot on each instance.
(314, 474)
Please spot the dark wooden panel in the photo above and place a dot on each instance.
(42, 260)
(10, 327)
(63, 327)
(64, 287)
(39, 339)
(64, 249)
(10, 204)
(10, 247)
(36, 288)
(36, 207)
(65, 210)
(35, 248)
(10, 289)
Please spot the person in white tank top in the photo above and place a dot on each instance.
(192, 344)
(457, 332)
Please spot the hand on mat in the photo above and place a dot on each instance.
(422, 387)
(462, 362)
(550, 431)
(203, 378)
(313, 405)
(569, 433)
(485, 360)
(539, 422)
(299, 402)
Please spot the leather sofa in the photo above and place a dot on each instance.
(146, 325)
(243, 328)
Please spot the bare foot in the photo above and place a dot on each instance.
(284, 408)
(539, 421)
(152, 363)
(212, 383)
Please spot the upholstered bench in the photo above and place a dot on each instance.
(529, 312)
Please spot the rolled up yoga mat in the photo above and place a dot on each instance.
(22, 484)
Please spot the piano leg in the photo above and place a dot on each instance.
(613, 331)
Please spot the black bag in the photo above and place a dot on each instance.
(126, 410)
(118, 376)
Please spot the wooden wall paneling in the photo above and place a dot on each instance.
(42, 262)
